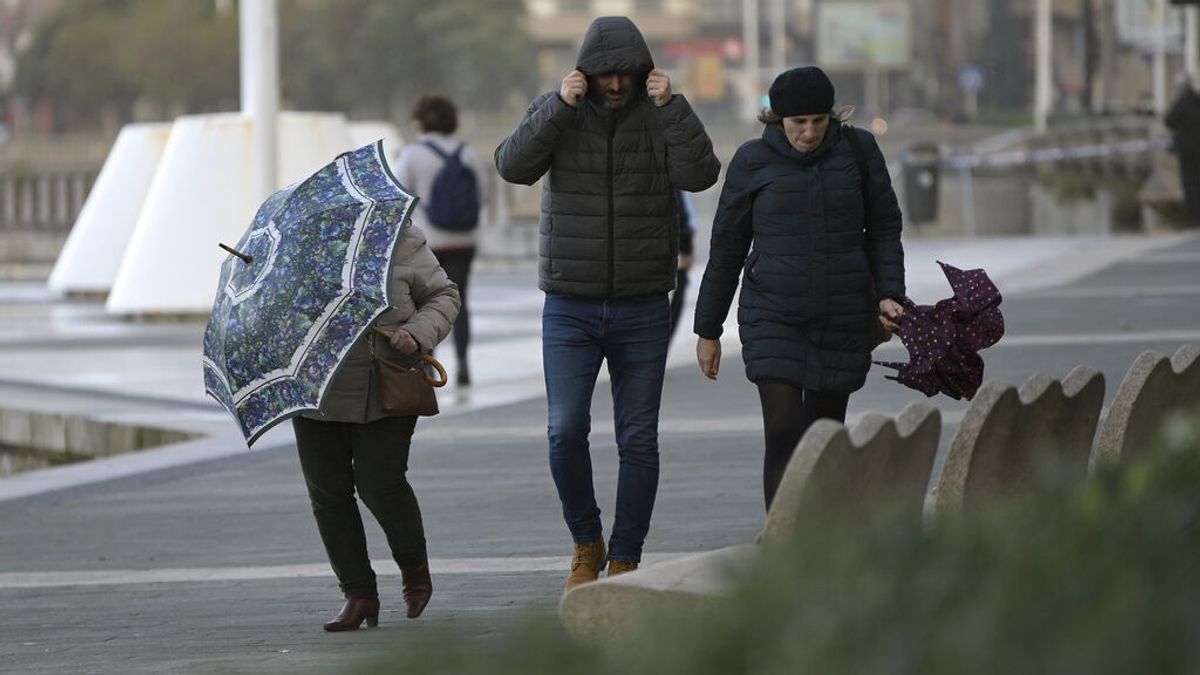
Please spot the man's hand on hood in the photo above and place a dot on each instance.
(574, 88)
(658, 87)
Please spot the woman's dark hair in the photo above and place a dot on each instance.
(838, 114)
(436, 113)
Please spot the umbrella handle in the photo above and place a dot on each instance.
(437, 365)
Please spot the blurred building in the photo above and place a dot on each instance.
(954, 58)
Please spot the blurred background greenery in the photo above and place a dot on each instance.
(105, 62)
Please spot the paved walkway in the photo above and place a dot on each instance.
(203, 557)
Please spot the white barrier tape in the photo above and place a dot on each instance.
(1054, 154)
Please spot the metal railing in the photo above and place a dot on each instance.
(47, 200)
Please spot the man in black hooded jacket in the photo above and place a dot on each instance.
(615, 143)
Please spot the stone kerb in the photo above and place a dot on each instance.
(599, 611)
(1008, 439)
(1154, 389)
(72, 436)
(881, 465)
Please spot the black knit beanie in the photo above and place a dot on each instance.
(801, 91)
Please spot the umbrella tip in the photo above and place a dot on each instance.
(245, 258)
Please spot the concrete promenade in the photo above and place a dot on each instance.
(203, 557)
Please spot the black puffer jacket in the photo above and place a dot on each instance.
(811, 286)
(1184, 121)
(609, 223)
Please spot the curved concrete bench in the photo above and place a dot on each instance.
(882, 465)
(1008, 438)
(1154, 389)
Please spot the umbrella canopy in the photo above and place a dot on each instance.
(943, 341)
(307, 279)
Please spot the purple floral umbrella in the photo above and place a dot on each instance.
(310, 275)
(943, 341)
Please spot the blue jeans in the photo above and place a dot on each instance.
(577, 335)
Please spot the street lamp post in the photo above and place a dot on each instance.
(1043, 91)
(259, 42)
(750, 74)
(1192, 43)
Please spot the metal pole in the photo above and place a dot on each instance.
(1160, 57)
(750, 102)
(871, 87)
(1042, 92)
(778, 37)
(967, 181)
(1192, 43)
(259, 42)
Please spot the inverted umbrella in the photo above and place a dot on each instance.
(305, 281)
(943, 340)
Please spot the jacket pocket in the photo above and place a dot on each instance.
(750, 269)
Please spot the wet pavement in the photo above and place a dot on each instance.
(203, 557)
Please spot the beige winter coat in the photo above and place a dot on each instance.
(424, 302)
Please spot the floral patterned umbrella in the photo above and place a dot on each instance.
(943, 341)
(307, 279)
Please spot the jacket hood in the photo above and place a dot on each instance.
(613, 44)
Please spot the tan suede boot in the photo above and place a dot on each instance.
(616, 567)
(587, 563)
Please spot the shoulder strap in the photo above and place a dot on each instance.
(436, 150)
(864, 169)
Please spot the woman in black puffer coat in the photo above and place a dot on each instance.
(818, 245)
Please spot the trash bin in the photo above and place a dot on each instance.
(922, 176)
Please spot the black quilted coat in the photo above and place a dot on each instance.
(609, 222)
(818, 263)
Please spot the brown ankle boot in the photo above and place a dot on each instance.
(616, 567)
(354, 612)
(587, 563)
(417, 588)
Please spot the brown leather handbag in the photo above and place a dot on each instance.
(405, 387)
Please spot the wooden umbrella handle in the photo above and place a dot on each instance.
(437, 365)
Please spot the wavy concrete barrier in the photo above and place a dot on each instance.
(1154, 389)
(1009, 439)
(880, 465)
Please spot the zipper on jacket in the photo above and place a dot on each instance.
(612, 264)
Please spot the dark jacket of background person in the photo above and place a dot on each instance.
(812, 284)
(609, 223)
(423, 302)
(1184, 121)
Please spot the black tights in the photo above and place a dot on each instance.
(787, 412)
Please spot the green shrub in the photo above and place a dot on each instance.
(1099, 577)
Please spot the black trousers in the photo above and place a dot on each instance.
(340, 458)
(788, 411)
(457, 263)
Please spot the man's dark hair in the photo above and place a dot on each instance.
(436, 113)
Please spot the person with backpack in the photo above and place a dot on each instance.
(808, 218)
(452, 185)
